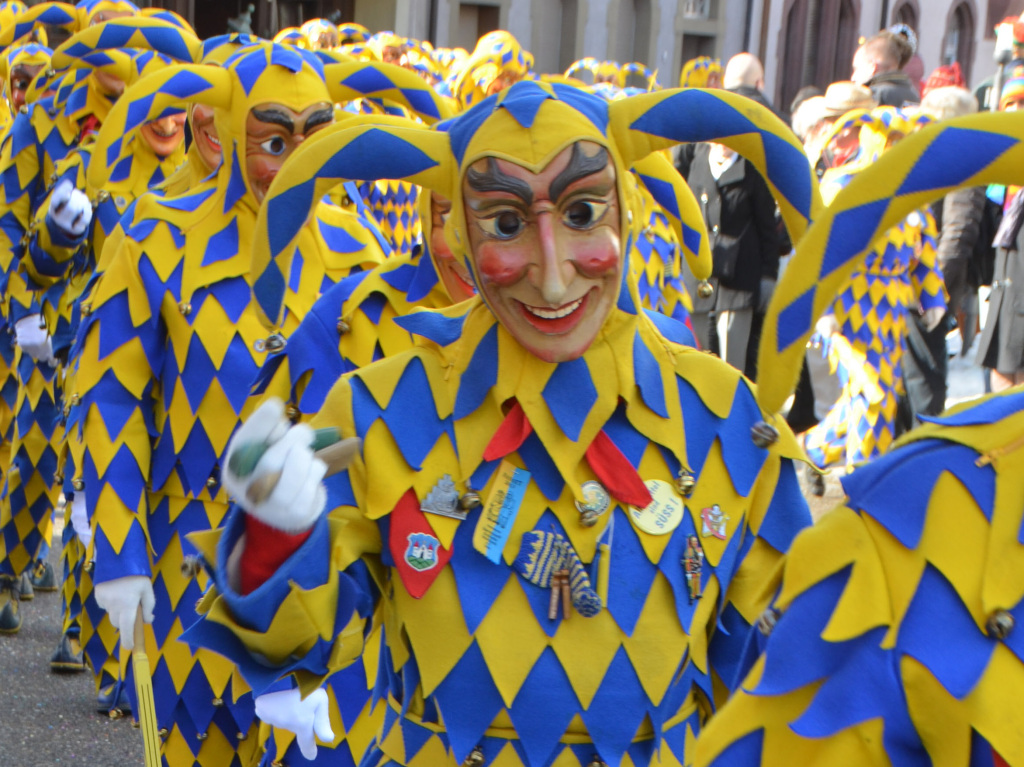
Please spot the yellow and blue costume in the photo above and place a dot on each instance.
(473, 664)
(895, 638)
(63, 265)
(167, 355)
(701, 72)
(900, 272)
(38, 138)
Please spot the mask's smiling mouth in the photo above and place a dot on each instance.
(554, 321)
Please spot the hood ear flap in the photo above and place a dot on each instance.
(134, 32)
(63, 15)
(647, 122)
(355, 80)
(363, 148)
(673, 194)
(167, 89)
(970, 151)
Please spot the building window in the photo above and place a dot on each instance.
(475, 21)
(567, 45)
(959, 42)
(906, 13)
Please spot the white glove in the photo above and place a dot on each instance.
(70, 209)
(765, 294)
(306, 718)
(33, 338)
(80, 519)
(827, 326)
(932, 317)
(121, 599)
(298, 498)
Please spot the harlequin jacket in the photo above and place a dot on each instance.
(472, 660)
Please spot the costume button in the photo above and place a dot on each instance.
(185, 308)
(475, 758)
(343, 327)
(999, 624)
(764, 434)
(190, 566)
(469, 501)
(78, 484)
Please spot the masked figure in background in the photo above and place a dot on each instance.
(35, 142)
(894, 639)
(19, 66)
(864, 330)
(68, 234)
(169, 351)
(701, 72)
(530, 472)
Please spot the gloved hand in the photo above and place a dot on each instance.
(70, 209)
(764, 295)
(306, 718)
(80, 519)
(121, 599)
(298, 497)
(932, 317)
(827, 326)
(33, 338)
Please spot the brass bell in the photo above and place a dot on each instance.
(185, 308)
(86, 310)
(163, 733)
(58, 479)
(292, 412)
(343, 327)
(475, 758)
(469, 501)
(764, 434)
(240, 736)
(201, 736)
(75, 399)
(597, 762)
(274, 343)
(191, 566)
(766, 623)
(78, 484)
(102, 196)
(588, 517)
(218, 702)
(999, 624)
(211, 481)
(704, 289)
(89, 566)
(685, 482)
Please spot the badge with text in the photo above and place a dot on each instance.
(713, 522)
(663, 514)
(499, 513)
(418, 554)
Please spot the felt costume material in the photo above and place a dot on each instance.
(168, 354)
(897, 642)
(473, 658)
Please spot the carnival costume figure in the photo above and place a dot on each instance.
(864, 331)
(169, 351)
(893, 639)
(529, 473)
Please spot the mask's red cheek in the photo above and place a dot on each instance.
(502, 265)
(596, 260)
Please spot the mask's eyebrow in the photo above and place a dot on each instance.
(275, 117)
(494, 180)
(580, 166)
(320, 117)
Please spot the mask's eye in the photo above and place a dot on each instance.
(585, 213)
(504, 225)
(21, 85)
(274, 146)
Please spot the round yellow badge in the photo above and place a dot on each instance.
(663, 514)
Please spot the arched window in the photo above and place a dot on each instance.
(958, 44)
(906, 13)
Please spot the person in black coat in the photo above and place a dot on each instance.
(739, 212)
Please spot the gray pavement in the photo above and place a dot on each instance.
(50, 719)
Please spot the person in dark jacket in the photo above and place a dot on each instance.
(878, 64)
(739, 212)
